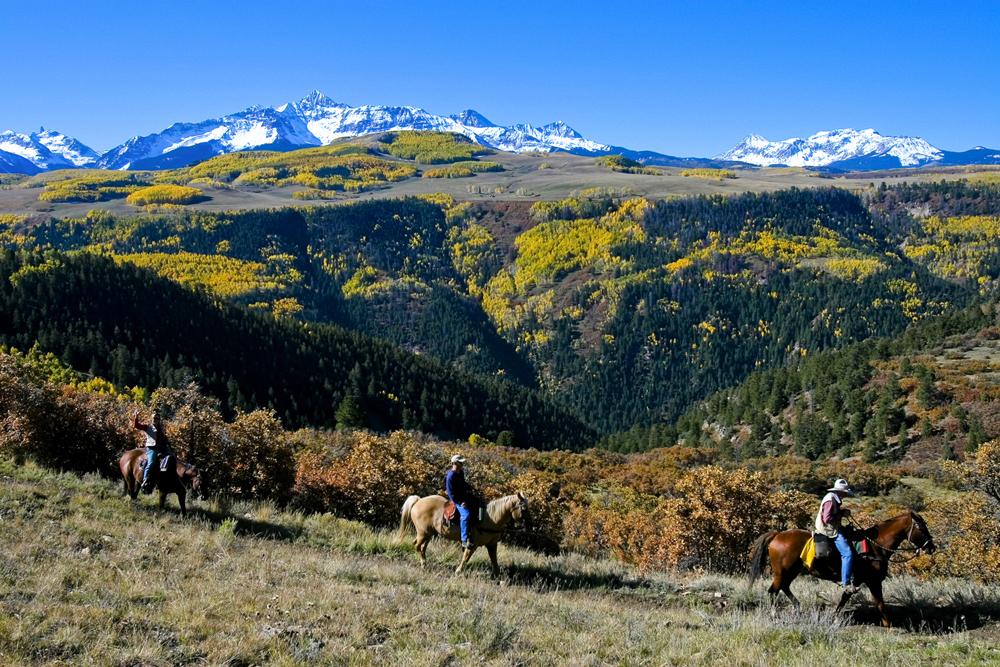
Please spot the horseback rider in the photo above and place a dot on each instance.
(462, 495)
(828, 522)
(156, 446)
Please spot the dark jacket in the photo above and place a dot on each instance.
(458, 489)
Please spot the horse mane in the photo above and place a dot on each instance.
(875, 531)
(495, 508)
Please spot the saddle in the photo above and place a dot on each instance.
(820, 547)
(450, 512)
(163, 464)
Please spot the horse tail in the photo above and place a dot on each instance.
(405, 521)
(758, 557)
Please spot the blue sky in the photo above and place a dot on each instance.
(680, 78)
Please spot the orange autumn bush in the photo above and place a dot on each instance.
(708, 524)
(966, 530)
(360, 475)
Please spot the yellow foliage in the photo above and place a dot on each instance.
(340, 167)
(431, 147)
(92, 186)
(224, 276)
(463, 169)
(854, 268)
(626, 165)
(165, 194)
(709, 174)
(552, 249)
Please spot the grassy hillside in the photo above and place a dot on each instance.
(111, 582)
(407, 164)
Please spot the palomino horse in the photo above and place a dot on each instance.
(427, 516)
(785, 550)
(172, 481)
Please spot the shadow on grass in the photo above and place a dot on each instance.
(245, 526)
(535, 576)
(930, 619)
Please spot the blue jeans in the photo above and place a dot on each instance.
(151, 457)
(465, 514)
(846, 558)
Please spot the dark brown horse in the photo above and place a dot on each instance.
(177, 481)
(785, 549)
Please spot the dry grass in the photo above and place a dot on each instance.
(88, 578)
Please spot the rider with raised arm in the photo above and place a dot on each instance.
(156, 446)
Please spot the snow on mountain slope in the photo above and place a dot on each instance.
(828, 148)
(318, 120)
(47, 149)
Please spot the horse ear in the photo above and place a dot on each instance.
(521, 496)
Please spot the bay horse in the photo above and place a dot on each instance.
(426, 515)
(175, 481)
(784, 549)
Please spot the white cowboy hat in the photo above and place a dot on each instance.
(458, 458)
(842, 486)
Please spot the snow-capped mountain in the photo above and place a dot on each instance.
(836, 148)
(45, 149)
(318, 120)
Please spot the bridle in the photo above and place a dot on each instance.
(915, 549)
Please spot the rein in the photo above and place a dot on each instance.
(901, 549)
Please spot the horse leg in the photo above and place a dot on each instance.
(491, 549)
(420, 544)
(776, 585)
(131, 487)
(844, 597)
(181, 493)
(466, 554)
(163, 498)
(876, 588)
(789, 576)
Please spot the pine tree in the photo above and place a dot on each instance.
(349, 413)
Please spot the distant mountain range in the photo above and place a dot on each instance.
(317, 120)
(850, 149)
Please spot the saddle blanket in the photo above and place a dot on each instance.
(450, 512)
(808, 555)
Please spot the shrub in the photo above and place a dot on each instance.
(165, 194)
(626, 165)
(967, 532)
(58, 426)
(709, 174)
(463, 169)
(715, 515)
(431, 147)
(92, 186)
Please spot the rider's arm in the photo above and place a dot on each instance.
(448, 486)
(826, 514)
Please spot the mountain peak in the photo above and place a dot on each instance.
(316, 99)
(47, 149)
(472, 118)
